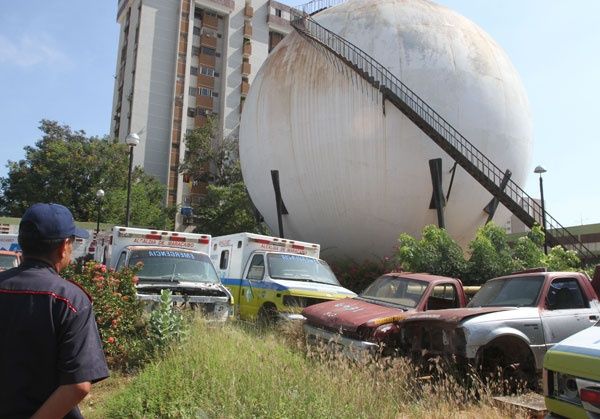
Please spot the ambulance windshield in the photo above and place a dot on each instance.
(173, 266)
(300, 268)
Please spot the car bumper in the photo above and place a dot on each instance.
(216, 308)
(564, 409)
(351, 348)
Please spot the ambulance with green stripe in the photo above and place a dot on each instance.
(572, 375)
(273, 278)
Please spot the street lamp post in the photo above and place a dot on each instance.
(539, 170)
(132, 140)
(99, 196)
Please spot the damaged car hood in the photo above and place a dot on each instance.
(349, 314)
(455, 315)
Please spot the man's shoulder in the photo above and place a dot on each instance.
(45, 281)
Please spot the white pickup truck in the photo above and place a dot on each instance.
(170, 260)
(510, 323)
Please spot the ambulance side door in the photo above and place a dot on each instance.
(254, 274)
(223, 266)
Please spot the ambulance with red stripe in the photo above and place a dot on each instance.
(273, 278)
(171, 260)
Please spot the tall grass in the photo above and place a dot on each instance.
(239, 371)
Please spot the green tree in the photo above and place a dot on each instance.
(68, 167)
(146, 209)
(227, 210)
(211, 158)
(435, 253)
(226, 206)
(560, 259)
(528, 250)
(491, 256)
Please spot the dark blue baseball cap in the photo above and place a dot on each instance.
(53, 221)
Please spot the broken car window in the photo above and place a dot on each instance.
(509, 292)
(402, 291)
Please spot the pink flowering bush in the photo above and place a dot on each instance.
(119, 314)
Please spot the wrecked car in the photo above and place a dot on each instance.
(572, 375)
(369, 324)
(9, 259)
(509, 324)
(189, 275)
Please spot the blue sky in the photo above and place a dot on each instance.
(57, 61)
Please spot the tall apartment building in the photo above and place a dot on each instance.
(180, 61)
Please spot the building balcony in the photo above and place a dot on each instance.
(279, 24)
(247, 51)
(246, 69)
(204, 101)
(245, 87)
(206, 81)
(210, 21)
(208, 41)
(247, 29)
(207, 60)
(222, 6)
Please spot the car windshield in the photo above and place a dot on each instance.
(173, 265)
(8, 261)
(404, 292)
(300, 268)
(509, 292)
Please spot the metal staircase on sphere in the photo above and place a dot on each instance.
(474, 162)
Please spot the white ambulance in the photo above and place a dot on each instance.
(272, 278)
(170, 260)
(10, 242)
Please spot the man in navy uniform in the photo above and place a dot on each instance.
(50, 350)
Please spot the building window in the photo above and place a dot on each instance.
(194, 71)
(203, 111)
(191, 112)
(195, 50)
(215, 94)
(205, 91)
(193, 91)
(278, 12)
(207, 71)
(208, 51)
(197, 30)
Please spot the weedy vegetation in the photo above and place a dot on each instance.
(239, 370)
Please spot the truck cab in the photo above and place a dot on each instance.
(170, 260)
(273, 278)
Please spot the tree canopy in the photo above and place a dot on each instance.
(489, 255)
(68, 167)
(225, 207)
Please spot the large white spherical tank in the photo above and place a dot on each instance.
(354, 170)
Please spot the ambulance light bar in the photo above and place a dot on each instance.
(164, 235)
(283, 243)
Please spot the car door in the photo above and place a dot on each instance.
(251, 285)
(566, 310)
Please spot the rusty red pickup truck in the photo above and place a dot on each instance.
(370, 323)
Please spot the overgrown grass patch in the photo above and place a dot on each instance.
(239, 371)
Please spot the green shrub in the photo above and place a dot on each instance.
(166, 323)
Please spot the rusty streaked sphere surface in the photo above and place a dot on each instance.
(354, 173)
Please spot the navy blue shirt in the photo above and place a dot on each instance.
(48, 337)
